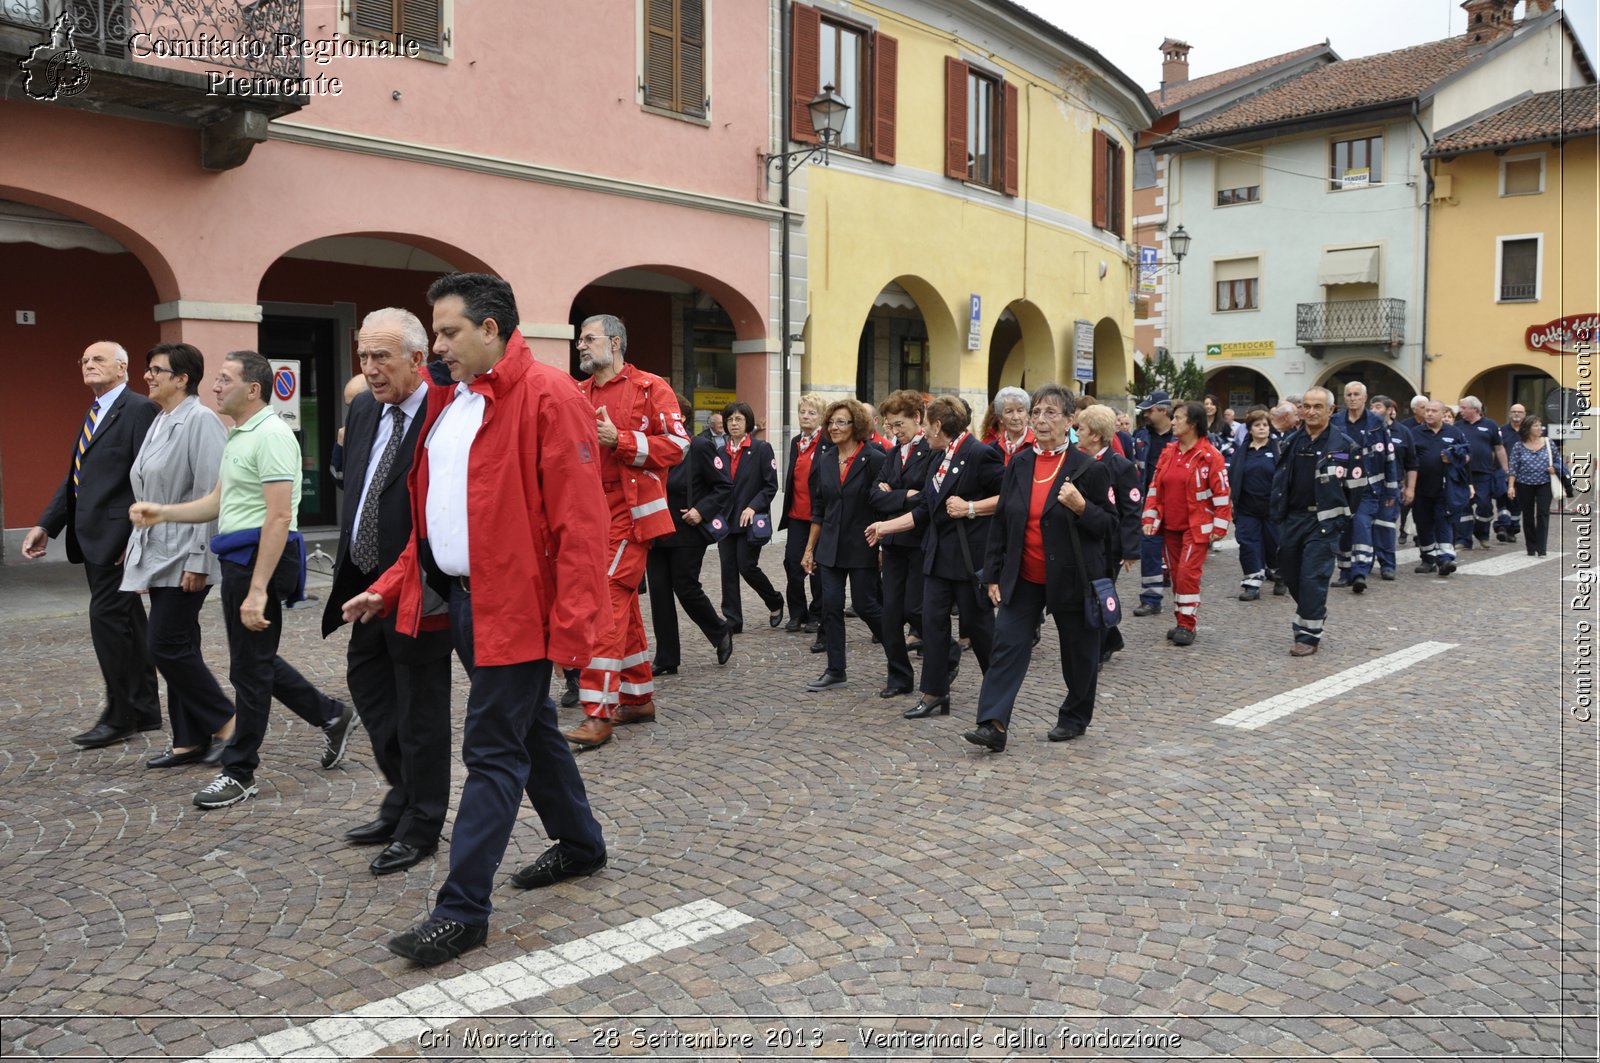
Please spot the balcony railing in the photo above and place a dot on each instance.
(1518, 293)
(219, 33)
(1380, 321)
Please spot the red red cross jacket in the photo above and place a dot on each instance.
(1211, 508)
(536, 518)
(651, 439)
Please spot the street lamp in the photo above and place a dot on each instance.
(828, 110)
(1178, 244)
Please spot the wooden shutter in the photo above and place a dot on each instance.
(1098, 218)
(692, 57)
(805, 62)
(374, 18)
(1118, 196)
(423, 21)
(955, 118)
(1011, 121)
(660, 43)
(885, 82)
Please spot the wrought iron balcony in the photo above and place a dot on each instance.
(127, 58)
(1364, 321)
(1518, 293)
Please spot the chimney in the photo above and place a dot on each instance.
(1175, 62)
(1488, 20)
(1538, 7)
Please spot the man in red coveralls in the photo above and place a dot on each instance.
(641, 436)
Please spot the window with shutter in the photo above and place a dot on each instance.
(805, 70)
(1011, 122)
(862, 66)
(1519, 269)
(1238, 178)
(400, 20)
(1098, 214)
(674, 56)
(1109, 181)
(955, 118)
(885, 95)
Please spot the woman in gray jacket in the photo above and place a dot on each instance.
(179, 461)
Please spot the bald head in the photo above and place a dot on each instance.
(104, 365)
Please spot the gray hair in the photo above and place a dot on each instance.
(1325, 391)
(412, 334)
(1358, 385)
(1006, 396)
(1472, 402)
(613, 327)
(117, 350)
(1283, 409)
(1418, 401)
(1296, 399)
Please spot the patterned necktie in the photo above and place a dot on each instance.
(364, 550)
(84, 436)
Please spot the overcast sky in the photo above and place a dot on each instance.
(1229, 33)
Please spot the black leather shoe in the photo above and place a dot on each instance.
(1445, 568)
(1358, 585)
(555, 866)
(398, 856)
(1279, 588)
(103, 735)
(169, 759)
(1064, 732)
(776, 618)
(811, 627)
(725, 648)
(1342, 581)
(794, 624)
(213, 755)
(1146, 609)
(894, 692)
(378, 832)
(1424, 568)
(987, 735)
(435, 941)
(819, 646)
(1387, 575)
(1250, 594)
(925, 708)
(670, 669)
(825, 680)
(1183, 636)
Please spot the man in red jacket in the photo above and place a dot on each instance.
(508, 522)
(641, 436)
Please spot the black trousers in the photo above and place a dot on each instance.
(511, 745)
(257, 672)
(794, 548)
(121, 644)
(939, 651)
(401, 689)
(196, 704)
(902, 602)
(1535, 502)
(1013, 635)
(673, 572)
(741, 559)
(863, 595)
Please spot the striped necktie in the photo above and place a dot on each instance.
(84, 436)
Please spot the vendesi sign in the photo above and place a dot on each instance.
(1242, 349)
(1565, 335)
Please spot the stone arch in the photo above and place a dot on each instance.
(1241, 386)
(151, 257)
(1110, 362)
(1499, 386)
(1380, 377)
(1022, 350)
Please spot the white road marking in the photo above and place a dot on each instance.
(1499, 566)
(1585, 575)
(1280, 705)
(434, 1005)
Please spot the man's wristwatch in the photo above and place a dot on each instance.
(972, 510)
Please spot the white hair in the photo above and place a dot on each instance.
(117, 350)
(1006, 396)
(1472, 402)
(1418, 401)
(1359, 386)
(412, 334)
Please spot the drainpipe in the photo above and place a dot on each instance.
(1427, 224)
(785, 345)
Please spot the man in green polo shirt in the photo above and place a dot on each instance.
(256, 505)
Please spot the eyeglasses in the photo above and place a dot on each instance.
(836, 423)
(585, 341)
(1049, 413)
(157, 370)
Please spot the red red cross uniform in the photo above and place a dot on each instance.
(651, 439)
(1190, 505)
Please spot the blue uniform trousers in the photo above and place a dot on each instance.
(1258, 547)
(510, 728)
(1151, 568)
(1474, 522)
(1385, 527)
(1355, 545)
(1435, 528)
(1305, 561)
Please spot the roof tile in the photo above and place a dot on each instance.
(1173, 95)
(1557, 115)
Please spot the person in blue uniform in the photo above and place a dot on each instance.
(1369, 433)
(1250, 474)
(1148, 442)
(1314, 493)
(1398, 484)
(1441, 450)
(1487, 468)
(1508, 514)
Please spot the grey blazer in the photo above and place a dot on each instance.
(179, 462)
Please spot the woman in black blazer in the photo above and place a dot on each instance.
(803, 450)
(697, 495)
(1032, 566)
(961, 492)
(842, 481)
(899, 487)
(754, 471)
(1097, 427)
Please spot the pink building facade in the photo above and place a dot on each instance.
(600, 161)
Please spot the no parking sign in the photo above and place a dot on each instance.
(286, 392)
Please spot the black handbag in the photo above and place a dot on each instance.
(1102, 608)
(715, 527)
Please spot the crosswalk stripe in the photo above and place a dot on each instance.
(1499, 566)
(1280, 705)
(366, 1030)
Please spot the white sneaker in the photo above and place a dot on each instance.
(222, 792)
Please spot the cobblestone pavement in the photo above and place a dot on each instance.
(1405, 869)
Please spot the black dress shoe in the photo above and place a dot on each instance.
(795, 624)
(826, 680)
(1358, 585)
(103, 735)
(1064, 732)
(892, 691)
(776, 618)
(925, 708)
(398, 856)
(989, 736)
(725, 647)
(555, 865)
(819, 646)
(670, 669)
(213, 755)
(1250, 594)
(811, 627)
(435, 941)
(377, 832)
(169, 759)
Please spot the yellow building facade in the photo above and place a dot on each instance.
(1513, 284)
(993, 249)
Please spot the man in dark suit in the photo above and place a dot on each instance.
(91, 506)
(400, 685)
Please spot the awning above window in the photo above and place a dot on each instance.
(1352, 265)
